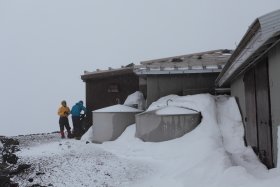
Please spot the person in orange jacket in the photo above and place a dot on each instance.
(63, 113)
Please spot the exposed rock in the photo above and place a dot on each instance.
(8, 150)
(8, 142)
(20, 169)
(3, 168)
(40, 173)
(37, 185)
(11, 158)
(14, 185)
(9, 166)
(108, 174)
(8, 161)
(4, 181)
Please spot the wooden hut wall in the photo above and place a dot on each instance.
(187, 84)
(107, 91)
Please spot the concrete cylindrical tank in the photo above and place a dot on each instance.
(166, 123)
(110, 122)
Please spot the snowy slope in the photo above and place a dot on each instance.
(75, 163)
(212, 155)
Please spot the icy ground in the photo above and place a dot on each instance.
(212, 155)
(77, 163)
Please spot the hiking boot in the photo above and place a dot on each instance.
(69, 135)
(62, 134)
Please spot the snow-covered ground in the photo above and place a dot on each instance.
(211, 155)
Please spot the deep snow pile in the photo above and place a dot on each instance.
(212, 155)
(137, 98)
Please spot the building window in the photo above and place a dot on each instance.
(113, 88)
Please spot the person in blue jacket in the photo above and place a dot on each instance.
(76, 112)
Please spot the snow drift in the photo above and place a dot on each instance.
(212, 155)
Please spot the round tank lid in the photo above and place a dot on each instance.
(173, 110)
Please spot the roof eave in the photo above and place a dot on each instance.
(252, 60)
(107, 73)
(172, 72)
(259, 39)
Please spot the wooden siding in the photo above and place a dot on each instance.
(258, 119)
(101, 93)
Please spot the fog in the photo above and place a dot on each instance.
(46, 45)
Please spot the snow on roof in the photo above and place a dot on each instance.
(212, 67)
(118, 108)
(191, 63)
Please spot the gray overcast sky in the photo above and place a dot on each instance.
(45, 45)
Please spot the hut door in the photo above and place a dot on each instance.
(258, 123)
(251, 129)
(263, 113)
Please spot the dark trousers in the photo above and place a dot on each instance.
(63, 122)
(76, 125)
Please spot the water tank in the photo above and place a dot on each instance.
(110, 122)
(166, 123)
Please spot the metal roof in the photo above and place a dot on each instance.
(107, 73)
(262, 35)
(203, 62)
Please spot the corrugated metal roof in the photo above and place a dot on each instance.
(261, 36)
(203, 62)
(107, 73)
